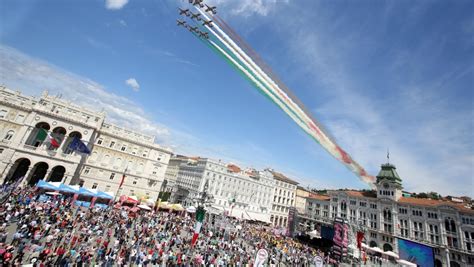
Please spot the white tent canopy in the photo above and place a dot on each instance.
(375, 249)
(405, 263)
(391, 254)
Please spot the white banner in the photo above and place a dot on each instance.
(261, 257)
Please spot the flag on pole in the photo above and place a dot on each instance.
(41, 135)
(360, 237)
(200, 213)
(51, 140)
(123, 178)
(77, 145)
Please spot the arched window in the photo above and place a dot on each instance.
(106, 160)
(453, 226)
(118, 162)
(9, 135)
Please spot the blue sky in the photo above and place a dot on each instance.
(377, 74)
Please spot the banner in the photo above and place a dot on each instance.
(260, 258)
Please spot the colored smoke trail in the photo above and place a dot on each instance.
(267, 83)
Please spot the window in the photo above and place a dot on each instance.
(402, 211)
(123, 148)
(9, 135)
(134, 181)
(112, 144)
(1, 150)
(99, 141)
(3, 113)
(373, 206)
(87, 170)
(94, 186)
(20, 118)
(112, 175)
(363, 204)
(107, 188)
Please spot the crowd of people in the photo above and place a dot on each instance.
(55, 232)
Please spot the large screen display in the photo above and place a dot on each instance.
(417, 253)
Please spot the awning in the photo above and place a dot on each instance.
(129, 199)
(405, 263)
(68, 189)
(85, 192)
(105, 195)
(375, 249)
(45, 185)
(391, 254)
(144, 207)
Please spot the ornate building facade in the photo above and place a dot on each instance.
(240, 193)
(36, 134)
(386, 214)
(284, 198)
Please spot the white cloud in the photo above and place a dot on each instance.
(132, 82)
(430, 142)
(115, 4)
(246, 8)
(21, 72)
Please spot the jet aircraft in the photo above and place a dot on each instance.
(197, 3)
(204, 35)
(193, 29)
(208, 23)
(196, 16)
(211, 9)
(184, 12)
(180, 23)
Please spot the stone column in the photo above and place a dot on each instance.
(448, 263)
(47, 176)
(27, 175)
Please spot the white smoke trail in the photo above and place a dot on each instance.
(270, 83)
(263, 88)
(313, 130)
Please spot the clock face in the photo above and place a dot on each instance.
(385, 185)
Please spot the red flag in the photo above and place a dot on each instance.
(360, 236)
(123, 178)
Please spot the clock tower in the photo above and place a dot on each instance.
(389, 184)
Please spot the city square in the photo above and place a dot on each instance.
(180, 146)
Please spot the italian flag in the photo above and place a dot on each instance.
(54, 143)
(200, 213)
(45, 136)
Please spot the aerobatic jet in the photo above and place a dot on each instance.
(180, 23)
(184, 12)
(211, 9)
(197, 3)
(193, 29)
(204, 35)
(208, 23)
(196, 16)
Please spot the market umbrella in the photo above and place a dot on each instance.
(144, 207)
(191, 209)
(176, 207)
